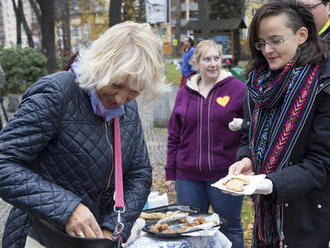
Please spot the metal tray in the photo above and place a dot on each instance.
(176, 225)
(174, 207)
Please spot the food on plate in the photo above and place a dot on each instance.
(183, 220)
(151, 216)
(199, 221)
(243, 178)
(237, 182)
(156, 228)
(235, 185)
(178, 227)
(160, 215)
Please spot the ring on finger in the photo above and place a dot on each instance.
(80, 234)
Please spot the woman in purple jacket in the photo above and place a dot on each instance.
(201, 142)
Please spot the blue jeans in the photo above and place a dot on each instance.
(201, 194)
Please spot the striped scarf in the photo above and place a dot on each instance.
(282, 101)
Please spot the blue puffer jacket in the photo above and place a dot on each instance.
(56, 153)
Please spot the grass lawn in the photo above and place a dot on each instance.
(174, 76)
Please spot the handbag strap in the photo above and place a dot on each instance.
(119, 207)
(119, 196)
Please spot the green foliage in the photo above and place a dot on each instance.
(23, 66)
(129, 12)
(226, 9)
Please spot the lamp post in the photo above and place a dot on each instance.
(187, 13)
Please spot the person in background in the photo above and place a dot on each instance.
(203, 140)
(321, 11)
(57, 151)
(229, 64)
(286, 140)
(186, 64)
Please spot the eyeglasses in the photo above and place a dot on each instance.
(272, 43)
(313, 6)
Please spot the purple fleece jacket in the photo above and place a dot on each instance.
(200, 144)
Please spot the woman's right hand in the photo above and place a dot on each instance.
(170, 185)
(243, 166)
(82, 223)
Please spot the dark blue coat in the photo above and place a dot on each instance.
(56, 153)
(303, 187)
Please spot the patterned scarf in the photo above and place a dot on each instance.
(100, 110)
(283, 101)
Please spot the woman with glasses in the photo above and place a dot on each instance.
(203, 141)
(286, 140)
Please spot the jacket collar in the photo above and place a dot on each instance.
(192, 82)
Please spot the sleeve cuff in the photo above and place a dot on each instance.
(170, 175)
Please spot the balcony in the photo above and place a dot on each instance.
(183, 21)
(192, 6)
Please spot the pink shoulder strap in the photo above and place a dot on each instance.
(119, 196)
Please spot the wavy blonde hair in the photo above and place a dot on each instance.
(126, 51)
(202, 47)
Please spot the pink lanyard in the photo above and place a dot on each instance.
(119, 207)
(119, 196)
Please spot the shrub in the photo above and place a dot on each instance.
(23, 67)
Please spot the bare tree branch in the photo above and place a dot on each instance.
(36, 10)
(25, 24)
(18, 24)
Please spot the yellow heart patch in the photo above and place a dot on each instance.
(223, 101)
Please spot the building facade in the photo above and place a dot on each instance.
(252, 6)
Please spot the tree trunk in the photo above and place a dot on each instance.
(114, 12)
(25, 25)
(47, 25)
(66, 29)
(18, 23)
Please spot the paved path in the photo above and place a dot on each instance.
(156, 139)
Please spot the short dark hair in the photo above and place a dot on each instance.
(191, 41)
(310, 52)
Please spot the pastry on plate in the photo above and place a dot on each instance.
(243, 178)
(235, 185)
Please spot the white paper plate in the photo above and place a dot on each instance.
(247, 189)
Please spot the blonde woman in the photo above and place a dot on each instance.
(201, 144)
(56, 153)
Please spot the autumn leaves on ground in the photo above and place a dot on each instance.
(173, 76)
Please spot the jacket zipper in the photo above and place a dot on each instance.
(106, 124)
(200, 159)
(209, 133)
